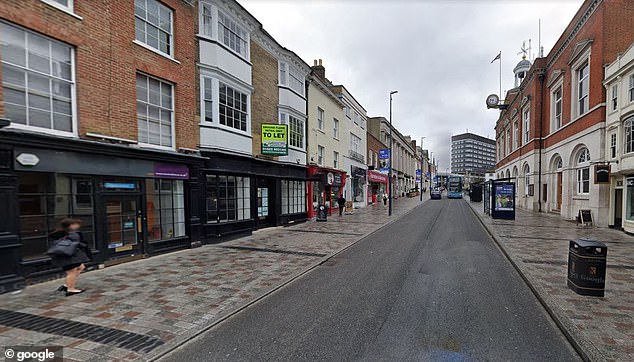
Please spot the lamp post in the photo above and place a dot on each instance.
(422, 162)
(389, 172)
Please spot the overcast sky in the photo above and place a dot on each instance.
(436, 53)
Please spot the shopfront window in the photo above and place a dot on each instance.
(629, 208)
(165, 203)
(45, 199)
(293, 197)
(228, 198)
(357, 188)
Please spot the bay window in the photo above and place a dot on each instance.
(295, 130)
(291, 77)
(232, 35)
(233, 107)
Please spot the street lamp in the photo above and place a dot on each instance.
(422, 162)
(389, 172)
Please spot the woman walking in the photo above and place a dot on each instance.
(73, 265)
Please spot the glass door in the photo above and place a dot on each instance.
(123, 225)
(263, 203)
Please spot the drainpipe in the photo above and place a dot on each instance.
(541, 136)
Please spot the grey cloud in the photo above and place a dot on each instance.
(437, 54)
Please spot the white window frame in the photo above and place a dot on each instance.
(69, 9)
(582, 60)
(171, 37)
(615, 97)
(527, 179)
(526, 124)
(631, 88)
(516, 135)
(583, 172)
(73, 89)
(628, 136)
(291, 78)
(320, 155)
(320, 118)
(613, 145)
(346, 110)
(335, 159)
(215, 100)
(335, 128)
(285, 118)
(557, 100)
(221, 13)
(172, 116)
(208, 28)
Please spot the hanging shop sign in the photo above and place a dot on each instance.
(601, 174)
(384, 154)
(274, 139)
(27, 159)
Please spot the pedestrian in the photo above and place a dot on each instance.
(342, 204)
(384, 199)
(73, 265)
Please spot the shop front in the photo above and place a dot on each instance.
(130, 207)
(358, 180)
(377, 186)
(243, 194)
(325, 186)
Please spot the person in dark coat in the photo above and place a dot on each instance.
(73, 265)
(342, 204)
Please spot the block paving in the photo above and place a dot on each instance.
(158, 303)
(537, 243)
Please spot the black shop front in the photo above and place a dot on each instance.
(133, 202)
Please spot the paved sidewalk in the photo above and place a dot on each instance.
(140, 310)
(538, 245)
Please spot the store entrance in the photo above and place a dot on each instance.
(123, 226)
(618, 208)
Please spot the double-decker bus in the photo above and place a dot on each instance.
(454, 187)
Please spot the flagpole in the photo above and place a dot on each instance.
(501, 75)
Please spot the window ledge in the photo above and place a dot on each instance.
(156, 147)
(321, 130)
(153, 50)
(62, 8)
(581, 197)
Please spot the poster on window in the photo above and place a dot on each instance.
(274, 139)
(504, 197)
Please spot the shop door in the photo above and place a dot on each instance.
(263, 206)
(559, 190)
(618, 208)
(124, 231)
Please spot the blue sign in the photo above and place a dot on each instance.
(428, 174)
(384, 169)
(384, 154)
(119, 185)
(418, 173)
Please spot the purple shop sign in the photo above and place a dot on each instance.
(166, 170)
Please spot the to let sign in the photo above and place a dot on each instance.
(274, 139)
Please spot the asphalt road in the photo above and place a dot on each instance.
(430, 287)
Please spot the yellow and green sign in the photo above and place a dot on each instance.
(275, 139)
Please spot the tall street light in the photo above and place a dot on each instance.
(422, 162)
(389, 172)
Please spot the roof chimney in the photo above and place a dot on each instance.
(319, 71)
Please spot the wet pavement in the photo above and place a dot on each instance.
(538, 246)
(142, 309)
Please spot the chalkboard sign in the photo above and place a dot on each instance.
(585, 217)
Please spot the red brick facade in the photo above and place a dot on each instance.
(609, 28)
(107, 60)
(374, 146)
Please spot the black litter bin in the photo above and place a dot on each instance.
(322, 213)
(587, 260)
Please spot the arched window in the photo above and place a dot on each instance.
(583, 172)
(527, 181)
(629, 135)
(559, 164)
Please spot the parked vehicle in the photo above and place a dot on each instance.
(436, 194)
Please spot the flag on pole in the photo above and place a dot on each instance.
(499, 56)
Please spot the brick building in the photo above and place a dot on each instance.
(101, 100)
(552, 132)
